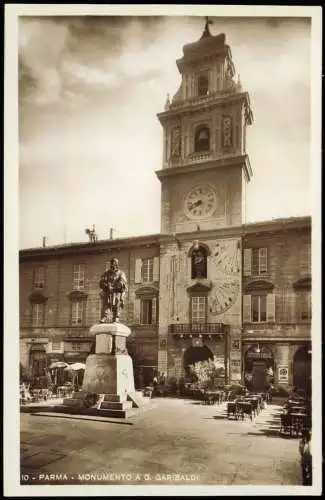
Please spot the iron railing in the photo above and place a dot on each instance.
(201, 328)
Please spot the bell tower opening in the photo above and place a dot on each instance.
(204, 127)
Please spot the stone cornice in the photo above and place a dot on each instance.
(259, 285)
(303, 284)
(214, 100)
(130, 244)
(147, 291)
(221, 162)
(201, 286)
(37, 296)
(83, 248)
(77, 295)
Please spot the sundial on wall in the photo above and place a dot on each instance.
(226, 258)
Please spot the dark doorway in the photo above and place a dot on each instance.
(259, 368)
(302, 369)
(195, 354)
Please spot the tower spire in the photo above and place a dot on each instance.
(206, 31)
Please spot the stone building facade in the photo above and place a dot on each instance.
(208, 285)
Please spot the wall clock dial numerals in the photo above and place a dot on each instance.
(200, 202)
(226, 295)
(227, 257)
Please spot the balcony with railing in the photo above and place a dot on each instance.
(190, 329)
(231, 89)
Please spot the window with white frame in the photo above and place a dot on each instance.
(259, 308)
(148, 311)
(255, 261)
(76, 346)
(147, 270)
(39, 277)
(56, 345)
(198, 309)
(38, 314)
(78, 276)
(305, 305)
(77, 312)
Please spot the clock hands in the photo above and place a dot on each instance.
(195, 204)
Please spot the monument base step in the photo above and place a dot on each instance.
(112, 405)
(138, 399)
(115, 398)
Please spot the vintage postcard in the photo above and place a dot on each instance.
(162, 327)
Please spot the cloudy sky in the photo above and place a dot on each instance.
(90, 141)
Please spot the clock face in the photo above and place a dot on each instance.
(200, 202)
(227, 256)
(226, 296)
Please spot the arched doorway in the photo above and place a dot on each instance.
(195, 354)
(302, 369)
(259, 368)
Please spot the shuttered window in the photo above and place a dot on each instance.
(262, 260)
(247, 261)
(304, 305)
(259, 308)
(247, 309)
(305, 258)
(255, 261)
(77, 312)
(137, 271)
(146, 270)
(148, 311)
(39, 277)
(38, 314)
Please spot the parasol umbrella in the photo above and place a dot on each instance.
(58, 364)
(76, 366)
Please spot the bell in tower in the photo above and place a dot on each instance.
(205, 162)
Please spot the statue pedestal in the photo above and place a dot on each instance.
(109, 373)
(110, 369)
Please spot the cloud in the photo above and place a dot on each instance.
(41, 45)
(90, 139)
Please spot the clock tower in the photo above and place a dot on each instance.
(203, 177)
(205, 165)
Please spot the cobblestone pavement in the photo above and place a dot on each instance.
(174, 442)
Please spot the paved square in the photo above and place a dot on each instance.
(176, 441)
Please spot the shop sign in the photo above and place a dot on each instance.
(259, 355)
(283, 373)
(235, 345)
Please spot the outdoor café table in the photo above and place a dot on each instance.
(299, 409)
(36, 394)
(63, 391)
(299, 421)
